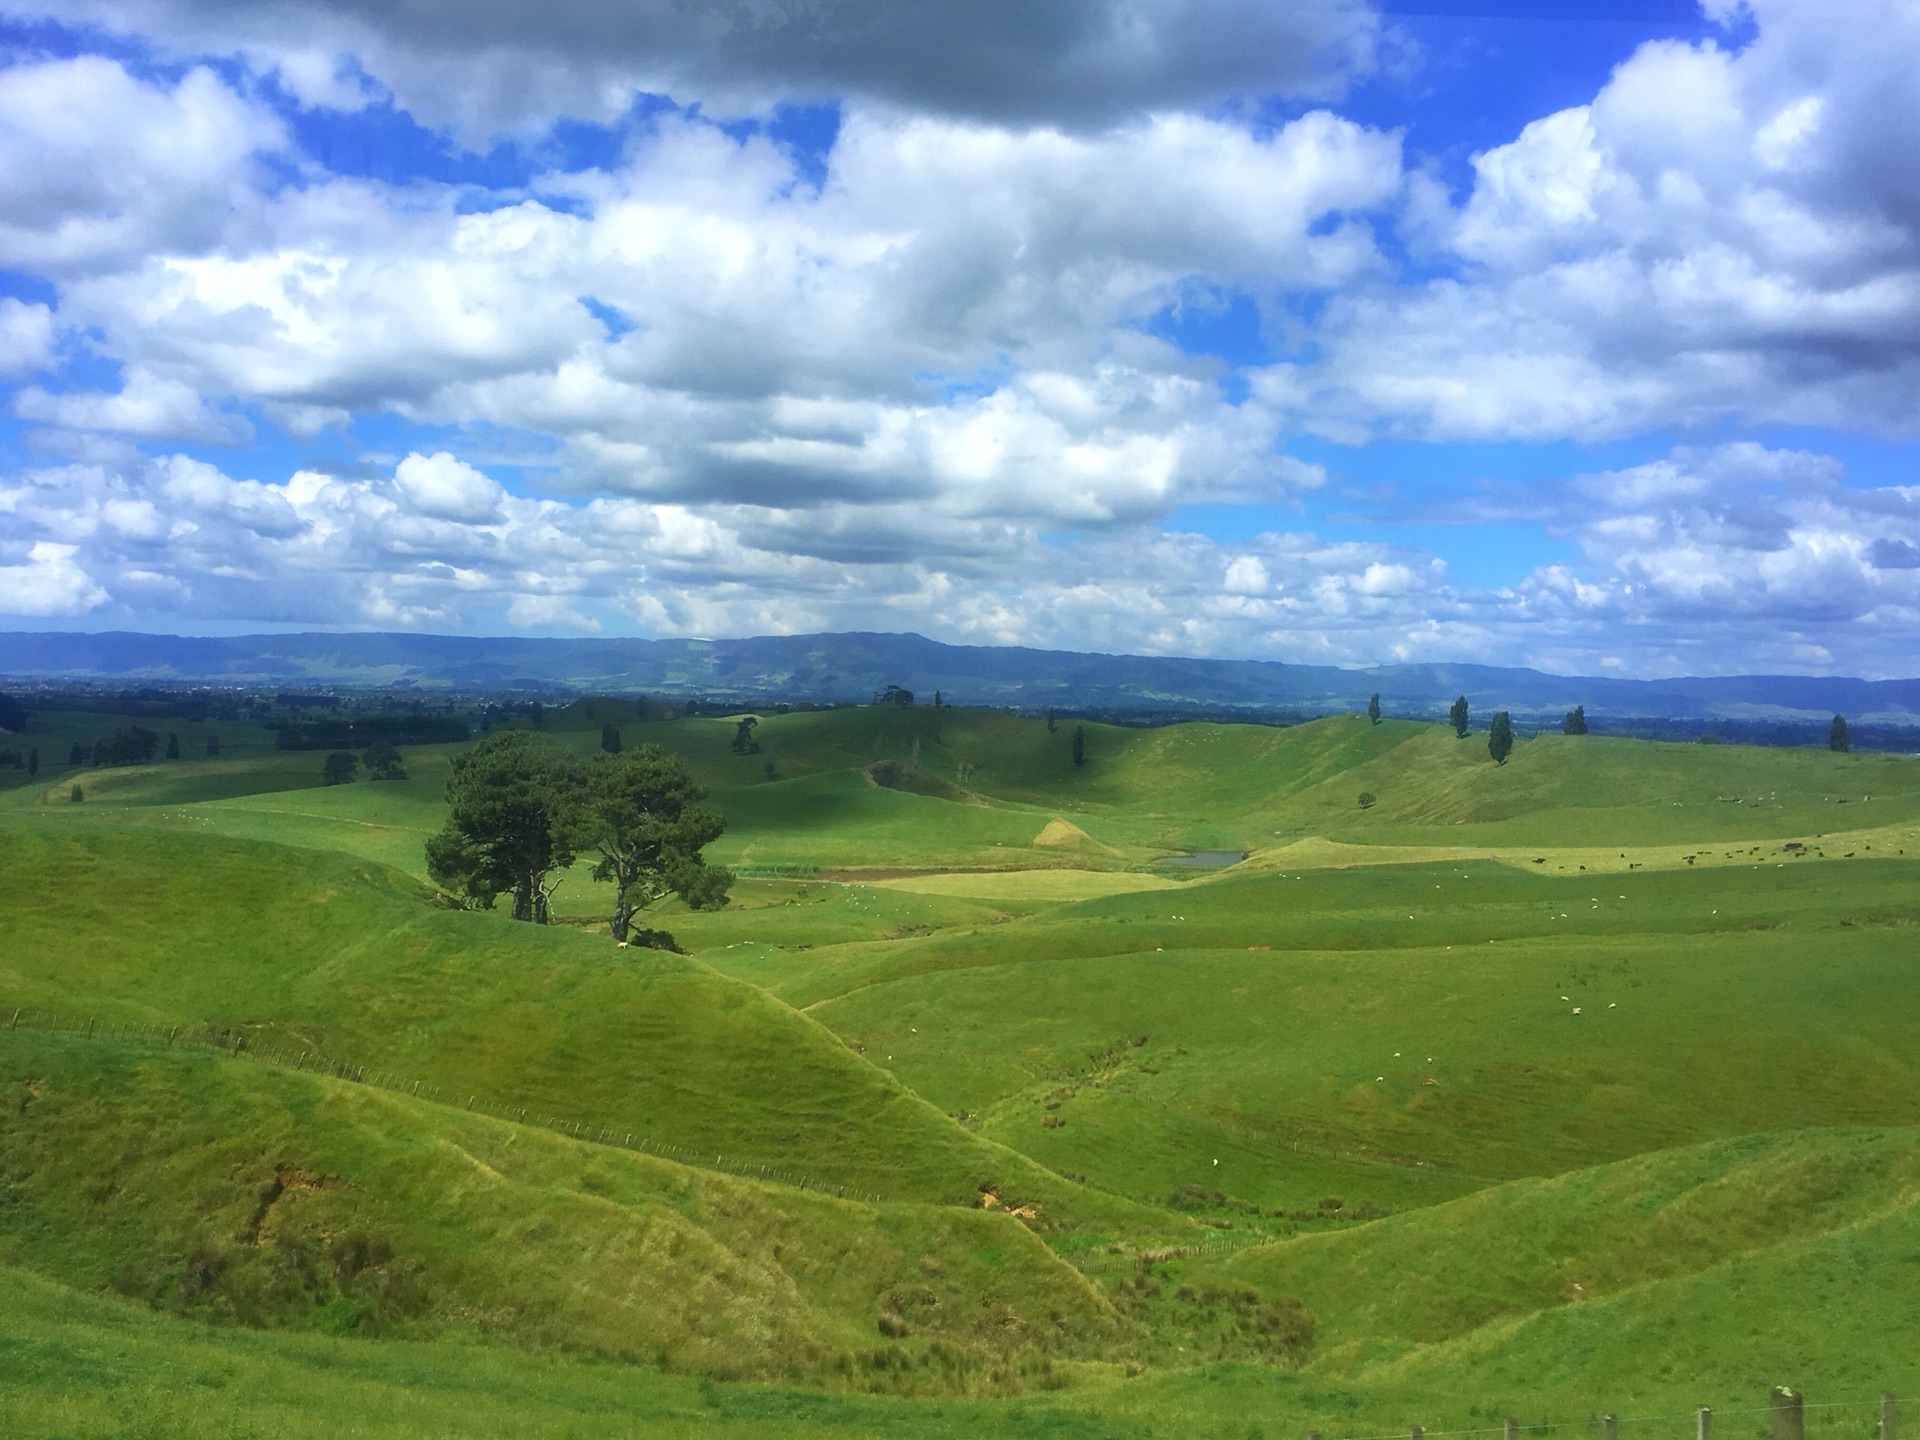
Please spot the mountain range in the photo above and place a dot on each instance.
(832, 668)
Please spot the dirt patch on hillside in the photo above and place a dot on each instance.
(1060, 834)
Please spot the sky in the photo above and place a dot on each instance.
(1583, 336)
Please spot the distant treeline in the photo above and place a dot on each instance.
(1864, 735)
(144, 704)
(359, 733)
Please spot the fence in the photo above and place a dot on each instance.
(236, 1044)
(1786, 1409)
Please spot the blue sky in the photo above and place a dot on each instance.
(1522, 331)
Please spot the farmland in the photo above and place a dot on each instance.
(1586, 1082)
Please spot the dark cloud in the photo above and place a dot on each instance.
(1070, 62)
(1894, 555)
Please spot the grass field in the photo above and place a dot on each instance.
(1587, 1082)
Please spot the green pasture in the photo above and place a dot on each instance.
(1586, 1082)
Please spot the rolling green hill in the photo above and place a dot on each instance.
(1586, 1081)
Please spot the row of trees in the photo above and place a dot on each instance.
(524, 808)
(382, 760)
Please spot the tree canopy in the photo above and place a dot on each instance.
(510, 795)
(342, 767)
(1079, 744)
(641, 811)
(1837, 735)
(523, 807)
(1500, 737)
(13, 715)
(1576, 721)
(610, 739)
(383, 761)
(1373, 708)
(1457, 717)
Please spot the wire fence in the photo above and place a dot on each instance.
(1786, 1411)
(235, 1043)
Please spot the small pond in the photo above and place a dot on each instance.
(1205, 859)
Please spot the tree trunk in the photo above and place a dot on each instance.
(523, 898)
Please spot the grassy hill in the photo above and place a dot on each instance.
(1607, 1056)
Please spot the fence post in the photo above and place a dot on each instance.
(16, 1021)
(1609, 1426)
(1789, 1420)
(1512, 1429)
(1414, 1433)
(1887, 1416)
(89, 1027)
(1704, 1424)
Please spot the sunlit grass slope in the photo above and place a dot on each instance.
(806, 800)
(236, 1191)
(1441, 1273)
(1400, 1035)
(294, 947)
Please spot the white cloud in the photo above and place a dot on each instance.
(50, 583)
(26, 337)
(101, 169)
(1717, 235)
(448, 489)
(145, 405)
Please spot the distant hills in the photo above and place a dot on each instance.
(828, 668)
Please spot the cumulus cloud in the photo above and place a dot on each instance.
(448, 489)
(952, 317)
(26, 337)
(1765, 552)
(146, 405)
(1717, 235)
(101, 169)
(917, 377)
(504, 67)
(49, 583)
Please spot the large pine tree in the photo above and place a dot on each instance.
(1500, 738)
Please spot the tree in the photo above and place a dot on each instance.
(1457, 717)
(13, 715)
(1837, 735)
(133, 746)
(173, 747)
(33, 763)
(1050, 724)
(1366, 799)
(610, 739)
(1500, 738)
(937, 702)
(76, 795)
(536, 712)
(1576, 721)
(510, 796)
(342, 767)
(383, 761)
(642, 812)
(1373, 708)
(1079, 744)
(743, 741)
(76, 756)
(894, 695)
(213, 747)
